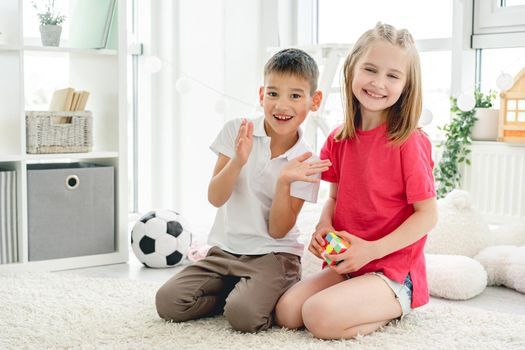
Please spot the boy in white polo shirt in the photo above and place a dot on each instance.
(263, 175)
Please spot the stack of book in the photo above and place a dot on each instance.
(8, 217)
(68, 99)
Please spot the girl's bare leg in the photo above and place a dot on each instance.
(288, 311)
(356, 306)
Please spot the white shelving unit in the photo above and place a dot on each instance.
(102, 72)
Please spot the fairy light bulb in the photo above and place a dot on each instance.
(504, 81)
(466, 102)
(183, 85)
(221, 106)
(153, 64)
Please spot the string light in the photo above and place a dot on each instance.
(466, 102)
(153, 64)
(184, 84)
(504, 81)
(221, 106)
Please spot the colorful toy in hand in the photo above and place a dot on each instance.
(334, 245)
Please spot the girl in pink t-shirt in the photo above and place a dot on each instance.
(382, 198)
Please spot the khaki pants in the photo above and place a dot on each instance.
(244, 287)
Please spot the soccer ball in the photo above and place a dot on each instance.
(161, 238)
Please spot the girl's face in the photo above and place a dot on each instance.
(379, 78)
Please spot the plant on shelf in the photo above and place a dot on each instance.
(47, 13)
(455, 146)
(50, 20)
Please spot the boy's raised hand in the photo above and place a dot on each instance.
(299, 170)
(243, 142)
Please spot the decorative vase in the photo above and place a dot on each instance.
(50, 34)
(486, 127)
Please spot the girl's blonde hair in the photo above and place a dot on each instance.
(404, 115)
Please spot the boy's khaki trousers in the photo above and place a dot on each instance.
(244, 287)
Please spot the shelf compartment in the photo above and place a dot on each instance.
(8, 216)
(98, 74)
(71, 210)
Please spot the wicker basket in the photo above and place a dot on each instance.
(59, 132)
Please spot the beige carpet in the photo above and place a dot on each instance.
(54, 311)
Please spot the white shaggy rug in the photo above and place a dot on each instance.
(54, 311)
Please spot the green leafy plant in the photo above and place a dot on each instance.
(47, 13)
(455, 146)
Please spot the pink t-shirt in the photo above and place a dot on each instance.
(377, 184)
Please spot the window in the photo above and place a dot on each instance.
(499, 35)
(509, 3)
(429, 22)
(497, 61)
(499, 23)
(436, 80)
(343, 21)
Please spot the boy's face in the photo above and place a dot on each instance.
(286, 100)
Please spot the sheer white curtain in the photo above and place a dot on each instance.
(202, 65)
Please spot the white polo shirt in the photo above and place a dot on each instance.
(241, 224)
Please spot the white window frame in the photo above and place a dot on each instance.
(297, 22)
(496, 26)
(463, 58)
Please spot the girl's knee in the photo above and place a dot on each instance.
(288, 312)
(315, 318)
(319, 322)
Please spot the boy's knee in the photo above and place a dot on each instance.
(168, 307)
(244, 316)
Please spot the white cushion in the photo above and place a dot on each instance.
(454, 276)
(505, 265)
(460, 230)
(510, 233)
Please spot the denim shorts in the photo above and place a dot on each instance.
(403, 292)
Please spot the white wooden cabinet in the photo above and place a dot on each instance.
(103, 73)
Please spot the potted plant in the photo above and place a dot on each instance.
(455, 146)
(50, 21)
(487, 118)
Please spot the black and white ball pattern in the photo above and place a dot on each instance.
(161, 238)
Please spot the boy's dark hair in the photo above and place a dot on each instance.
(295, 62)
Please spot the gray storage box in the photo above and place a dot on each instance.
(71, 210)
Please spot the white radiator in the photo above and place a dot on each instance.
(496, 180)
